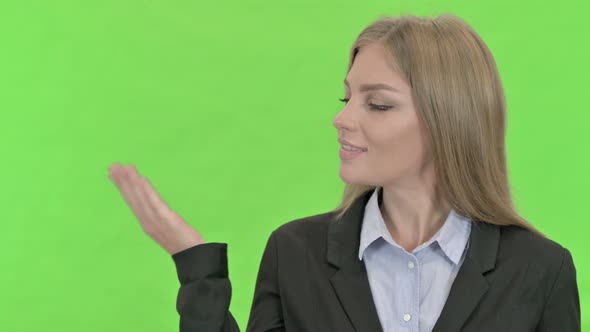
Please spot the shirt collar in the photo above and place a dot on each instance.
(452, 237)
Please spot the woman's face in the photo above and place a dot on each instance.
(394, 137)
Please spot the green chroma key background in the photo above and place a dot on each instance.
(227, 108)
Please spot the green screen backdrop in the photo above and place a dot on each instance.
(227, 108)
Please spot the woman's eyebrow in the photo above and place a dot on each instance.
(376, 86)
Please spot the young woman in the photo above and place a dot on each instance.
(426, 237)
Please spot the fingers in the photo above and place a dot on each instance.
(151, 210)
(126, 179)
(144, 210)
(153, 199)
(157, 219)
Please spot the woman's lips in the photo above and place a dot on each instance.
(348, 155)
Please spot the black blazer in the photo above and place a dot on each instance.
(310, 279)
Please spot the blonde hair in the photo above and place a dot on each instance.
(457, 92)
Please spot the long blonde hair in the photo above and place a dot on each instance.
(458, 94)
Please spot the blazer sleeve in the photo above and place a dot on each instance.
(205, 291)
(562, 308)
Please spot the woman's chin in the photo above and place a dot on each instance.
(350, 176)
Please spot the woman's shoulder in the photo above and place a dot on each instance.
(306, 227)
(304, 234)
(523, 241)
(538, 269)
(524, 247)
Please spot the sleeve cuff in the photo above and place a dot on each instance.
(207, 260)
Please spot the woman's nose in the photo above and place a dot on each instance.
(343, 121)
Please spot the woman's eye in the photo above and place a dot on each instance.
(379, 107)
(373, 106)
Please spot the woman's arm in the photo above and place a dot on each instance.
(205, 292)
(562, 309)
(205, 289)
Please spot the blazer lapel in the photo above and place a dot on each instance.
(351, 284)
(470, 284)
(350, 281)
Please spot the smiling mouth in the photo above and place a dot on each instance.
(352, 148)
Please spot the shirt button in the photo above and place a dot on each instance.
(411, 264)
(407, 317)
